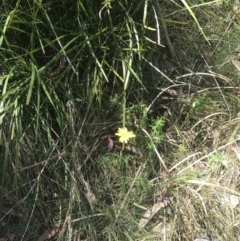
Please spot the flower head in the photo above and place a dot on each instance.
(124, 134)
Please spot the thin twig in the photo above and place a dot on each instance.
(129, 190)
(60, 44)
(203, 157)
(169, 44)
(200, 182)
(156, 151)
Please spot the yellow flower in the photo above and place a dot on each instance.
(124, 134)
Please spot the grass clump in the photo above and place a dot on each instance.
(72, 74)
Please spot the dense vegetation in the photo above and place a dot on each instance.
(72, 73)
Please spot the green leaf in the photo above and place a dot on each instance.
(31, 85)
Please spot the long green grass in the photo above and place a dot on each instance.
(72, 73)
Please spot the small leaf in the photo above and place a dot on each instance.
(149, 214)
(110, 144)
(69, 103)
(48, 234)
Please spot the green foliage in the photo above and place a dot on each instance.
(157, 132)
(72, 72)
(182, 149)
(216, 158)
(137, 114)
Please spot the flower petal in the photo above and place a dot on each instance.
(124, 134)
